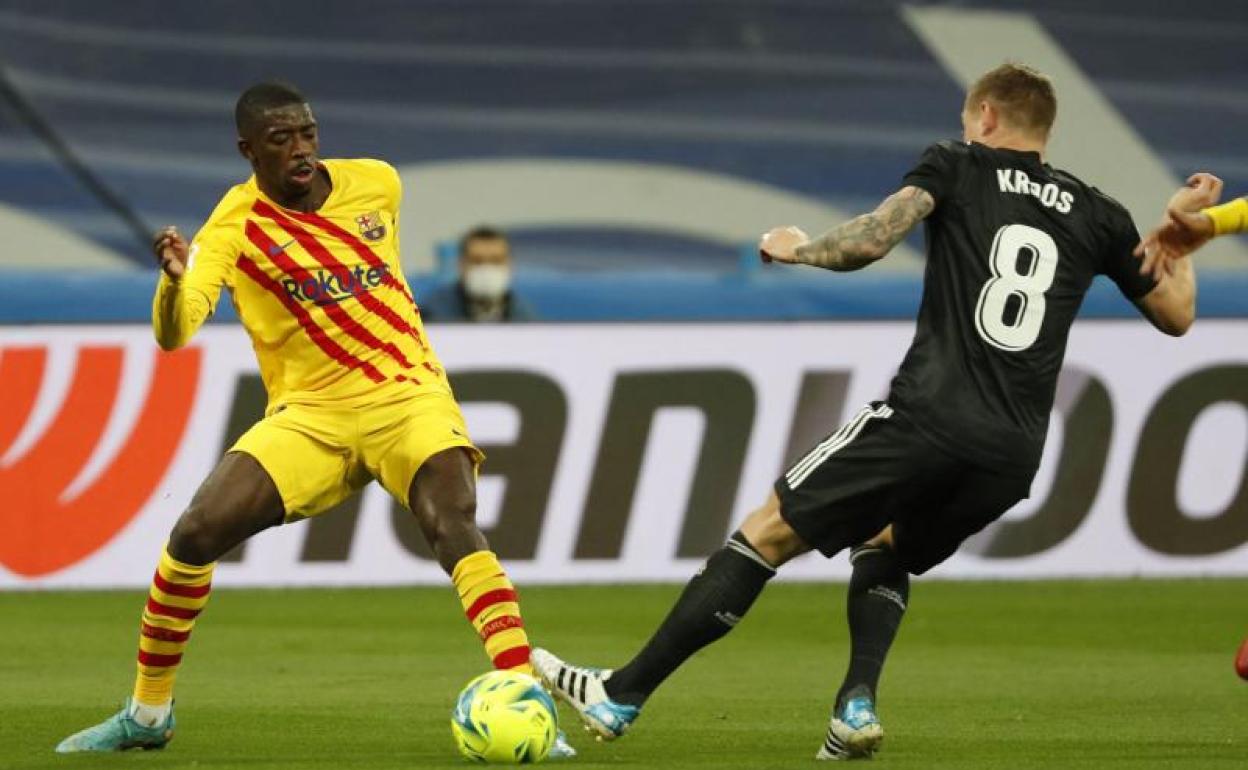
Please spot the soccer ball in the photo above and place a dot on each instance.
(505, 717)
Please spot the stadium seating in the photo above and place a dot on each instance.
(839, 100)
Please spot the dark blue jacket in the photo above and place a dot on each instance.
(449, 304)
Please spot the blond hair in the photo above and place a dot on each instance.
(1023, 95)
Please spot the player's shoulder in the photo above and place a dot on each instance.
(232, 210)
(949, 151)
(1105, 207)
(1105, 203)
(369, 168)
(939, 168)
(953, 147)
(1110, 207)
(370, 174)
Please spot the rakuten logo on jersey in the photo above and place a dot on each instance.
(326, 288)
(1050, 195)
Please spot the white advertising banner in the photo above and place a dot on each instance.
(616, 452)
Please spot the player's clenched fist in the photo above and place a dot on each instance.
(171, 252)
(780, 244)
(1201, 191)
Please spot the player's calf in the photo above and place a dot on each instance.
(714, 601)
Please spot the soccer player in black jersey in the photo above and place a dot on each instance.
(1012, 245)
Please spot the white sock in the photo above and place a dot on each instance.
(149, 715)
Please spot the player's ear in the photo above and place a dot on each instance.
(244, 149)
(989, 118)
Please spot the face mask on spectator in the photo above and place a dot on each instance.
(487, 282)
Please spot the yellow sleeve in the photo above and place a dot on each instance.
(1229, 217)
(181, 307)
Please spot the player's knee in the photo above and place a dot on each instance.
(770, 535)
(456, 514)
(193, 540)
(883, 540)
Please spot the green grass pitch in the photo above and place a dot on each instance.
(1110, 674)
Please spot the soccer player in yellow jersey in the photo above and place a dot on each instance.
(309, 249)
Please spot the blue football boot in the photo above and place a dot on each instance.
(118, 733)
(854, 731)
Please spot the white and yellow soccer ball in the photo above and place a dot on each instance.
(506, 718)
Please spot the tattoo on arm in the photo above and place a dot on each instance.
(866, 238)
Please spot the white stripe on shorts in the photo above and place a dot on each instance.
(834, 443)
(813, 455)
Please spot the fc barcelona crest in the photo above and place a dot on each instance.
(371, 225)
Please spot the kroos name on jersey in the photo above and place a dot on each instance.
(337, 285)
(1014, 181)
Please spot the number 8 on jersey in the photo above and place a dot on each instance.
(1016, 325)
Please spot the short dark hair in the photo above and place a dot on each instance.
(261, 97)
(1023, 94)
(481, 233)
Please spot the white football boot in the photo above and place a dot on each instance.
(583, 689)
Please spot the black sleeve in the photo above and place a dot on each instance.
(1119, 263)
(937, 171)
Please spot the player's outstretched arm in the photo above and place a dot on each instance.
(1171, 305)
(856, 243)
(181, 305)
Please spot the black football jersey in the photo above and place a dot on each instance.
(1012, 247)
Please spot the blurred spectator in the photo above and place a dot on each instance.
(483, 292)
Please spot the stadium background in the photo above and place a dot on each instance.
(634, 149)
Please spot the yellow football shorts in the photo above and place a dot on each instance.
(319, 454)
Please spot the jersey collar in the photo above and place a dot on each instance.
(335, 187)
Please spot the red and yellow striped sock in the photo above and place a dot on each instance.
(178, 594)
(491, 604)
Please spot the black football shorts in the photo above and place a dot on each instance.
(877, 470)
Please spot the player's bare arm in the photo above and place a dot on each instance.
(1171, 305)
(1184, 232)
(856, 243)
(1185, 227)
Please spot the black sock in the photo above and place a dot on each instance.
(712, 603)
(877, 597)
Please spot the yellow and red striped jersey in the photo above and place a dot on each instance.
(322, 295)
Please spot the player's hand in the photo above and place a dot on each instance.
(171, 252)
(780, 244)
(1185, 229)
(1182, 233)
(1201, 191)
